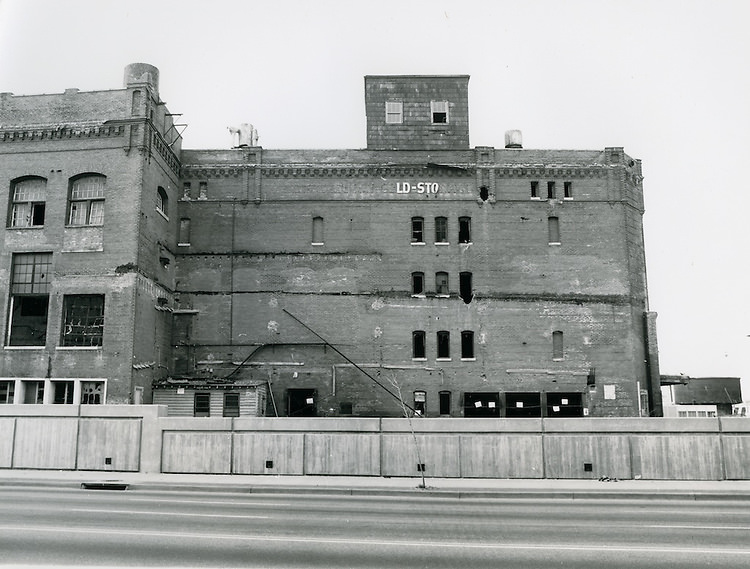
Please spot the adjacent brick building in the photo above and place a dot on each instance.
(462, 281)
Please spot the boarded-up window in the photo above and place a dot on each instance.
(557, 345)
(317, 230)
(184, 231)
(464, 230)
(553, 226)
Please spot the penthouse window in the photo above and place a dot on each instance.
(443, 345)
(418, 345)
(417, 230)
(439, 112)
(29, 299)
(202, 405)
(464, 230)
(441, 284)
(394, 112)
(86, 202)
(231, 405)
(441, 230)
(83, 320)
(417, 283)
(27, 203)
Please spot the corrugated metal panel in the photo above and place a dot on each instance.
(178, 404)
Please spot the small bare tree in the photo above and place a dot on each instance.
(405, 409)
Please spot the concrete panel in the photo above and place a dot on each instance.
(8, 428)
(565, 456)
(45, 442)
(736, 451)
(630, 424)
(735, 425)
(197, 452)
(439, 454)
(116, 439)
(342, 454)
(307, 424)
(677, 457)
(253, 450)
(501, 456)
(461, 425)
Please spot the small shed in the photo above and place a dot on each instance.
(212, 397)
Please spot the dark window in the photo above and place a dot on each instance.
(417, 283)
(231, 405)
(301, 403)
(33, 392)
(564, 405)
(417, 230)
(441, 283)
(534, 189)
(441, 230)
(467, 345)
(29, 299)
(464, 230)
(553, 229)
(482, 404)
(484, 193)
(465, 287)
(317, 231)
(27, 203)
(346, 408)
(7, 391)
(443, 344)
(568, 189)
(557, 345)
(86, 203)
(420, 400)
(439, 110)
(92, 392)
(523, 404)
(444, 399)
(202, 405)
(83, 320)
(62, 392)
(418, 345)
(551, 190)
(162, 201)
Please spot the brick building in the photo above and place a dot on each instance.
(467, 282)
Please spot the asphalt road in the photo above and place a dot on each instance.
(70, 527)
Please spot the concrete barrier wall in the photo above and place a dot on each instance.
(143, 438)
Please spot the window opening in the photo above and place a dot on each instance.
(417, 283)
(564, 404)
(317, 230)
(534, 189)
(231, 405)
(92, 392)
(301, 403)
(568, 189)
(33, 392)
(526, 404)
(62, 392)
(467, 345)
(186, 190)
(444, 400)
(7, 392)
(553, 229)
(441, 284)
(481, 404)
(135, 106)
(439, 110)
(83, 320)
(417, 230)
(87, 200)
(464, 230)
(550, 190)
(202, 190)
(202, 405)
(441, 230)
(162, 201)
(418, 345)
(394, 112)
(28, 203)
(557, 345)
(420, 400)
(465, 287)
(443, 345)
(184, 231)
(346, 408)
(484, 193)
(29, 299)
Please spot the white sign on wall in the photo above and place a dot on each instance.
(418, 188)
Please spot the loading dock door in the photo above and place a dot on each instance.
(301, 403)
(482, 404)
(523, 404)
(564, 405)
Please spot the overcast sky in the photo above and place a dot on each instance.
(668, 80)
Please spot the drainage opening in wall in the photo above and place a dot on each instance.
(269, 464)
(420, 467)
(588, 466)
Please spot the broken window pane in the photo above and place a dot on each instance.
(83, 320)
(92, 392)
(28, 197)
(464, 230)
(417, 283)
(441, 283)
(417, 230)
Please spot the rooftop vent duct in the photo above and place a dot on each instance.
(513, 139)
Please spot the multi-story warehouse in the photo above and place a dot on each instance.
(465, 282)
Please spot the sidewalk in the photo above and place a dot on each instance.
(468, 488)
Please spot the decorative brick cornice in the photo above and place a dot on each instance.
(52, 132)
(324, 171)
(594, 171)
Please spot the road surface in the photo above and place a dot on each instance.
(104, 528)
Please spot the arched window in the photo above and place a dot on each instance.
(441, 230)
(557, 345)
(417, 230)
(417, 283)
(162, 202)
(317, 231)
(27, 202)
(86, 202)
(554, 230)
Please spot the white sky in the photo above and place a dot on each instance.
(668, 80)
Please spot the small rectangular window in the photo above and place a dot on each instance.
(443, 345)
(441, 230)
(418, 345)
(444, 398)
(568, 189)
(417, 230)
(464, 230)
(231, 405)
(202, 190)
(62, 392)
(317, 231)
(420, 400)
(467, 345)
(394, 112)
(7, 391)
(92, 392)
(83, 320)
(557, 345)
(534, 189)
(550, 190)
(417, 283)
(554, 230)
(184, 237)
(441, 284)
(33, 392)
(202, 405)
(439, 111)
